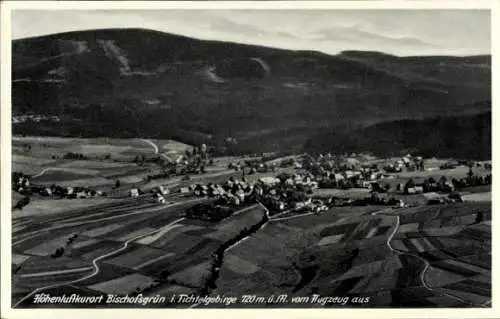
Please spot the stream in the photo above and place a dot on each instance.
(218, 255)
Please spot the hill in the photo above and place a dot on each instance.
(134, 82)
(464, 137)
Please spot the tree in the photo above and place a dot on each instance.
(21, 203)
(470, 173)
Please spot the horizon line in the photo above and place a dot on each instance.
(340, 52)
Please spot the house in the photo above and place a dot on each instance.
(163, 190)
(258, 191)
(448, 187)
(411, 190)
(348, 174)
(83, 194)
(160, 199)
(303, 203)
(69, 190)
(419, 189)
(269, 180)
(398, 203)
(299, 205)
(234, 200)
(240, 194)
(134, 192)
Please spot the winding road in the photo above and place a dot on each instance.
(45, 170)
(95, 264)
(153, 145)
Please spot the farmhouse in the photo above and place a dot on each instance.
(161, 190)
(81, 194)
(159, 198)
(134, 192)
(46, 191)
(184, 190)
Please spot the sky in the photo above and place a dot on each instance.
(399, 32)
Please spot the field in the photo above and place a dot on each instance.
(405, 256)
(106, 161)
(42, 157)
(354, 193)
(139, 242)
(418, 177)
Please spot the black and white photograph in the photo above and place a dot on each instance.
(280, 158)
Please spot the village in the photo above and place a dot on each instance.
(286, 185)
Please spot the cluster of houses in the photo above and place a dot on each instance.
(67, 192)
(443, 185)
(233, 192)
(33, 117)
(343, 173)
(254, 166)
(429, 185)
(22, 184)
(408, 163)
(265, 164)
(285, 192)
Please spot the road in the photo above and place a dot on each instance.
(153, 144)
(95, 264)
(274, 219)
(45, 170)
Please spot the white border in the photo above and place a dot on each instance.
(5, 142)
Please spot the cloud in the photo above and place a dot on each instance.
(400, 32)
(355, 34)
